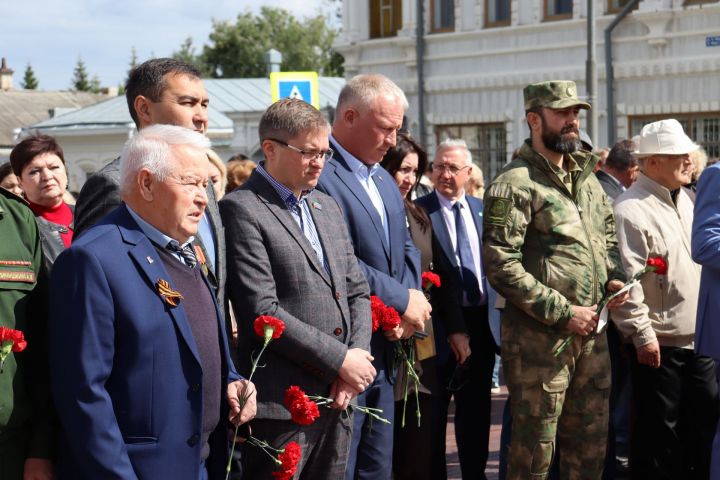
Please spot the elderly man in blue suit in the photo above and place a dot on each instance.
(370, 110)
(706, 252)
(140, 369)
(457, 224)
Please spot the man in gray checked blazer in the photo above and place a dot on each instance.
(289, 256)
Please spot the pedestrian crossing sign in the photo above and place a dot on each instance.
(300, 85)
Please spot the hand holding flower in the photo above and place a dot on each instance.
(242, 412)
(612, 287)
(342, 393)
(583, 321)
(460, 345)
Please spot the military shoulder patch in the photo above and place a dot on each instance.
(499, 211)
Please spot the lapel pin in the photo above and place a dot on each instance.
(150, 259)
(316, 205)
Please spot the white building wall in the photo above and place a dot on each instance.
(476, 74)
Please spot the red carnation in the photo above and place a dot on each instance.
(657, 265)
(289, 459)
(15, 336)
(383, 316)
(429, 279)
(303, 410)
(268, 327)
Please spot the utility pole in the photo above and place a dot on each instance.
(591, 75)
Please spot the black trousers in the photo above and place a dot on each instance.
(470, 385)
(676, 411)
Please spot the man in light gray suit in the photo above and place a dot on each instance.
(161, 91)
(289, 256)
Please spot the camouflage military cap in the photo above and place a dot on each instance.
(552, 94)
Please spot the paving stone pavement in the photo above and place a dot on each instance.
(498, 403)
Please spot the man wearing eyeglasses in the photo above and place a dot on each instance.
(457, 224)
(289, 256)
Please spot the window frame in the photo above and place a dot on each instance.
(500, 23)
(687, 120)
(375, 15)
(555, 17)
(433, 29)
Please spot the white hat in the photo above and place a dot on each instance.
(665, 137)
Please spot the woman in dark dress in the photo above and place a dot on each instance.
(416, 448)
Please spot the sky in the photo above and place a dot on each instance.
(52, 34)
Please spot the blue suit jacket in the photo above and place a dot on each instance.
(431, 204)
(389, 269)
(706, 252)
(124, 365)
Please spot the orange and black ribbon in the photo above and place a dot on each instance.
(171, 297)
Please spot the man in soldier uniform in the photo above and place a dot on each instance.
(550, 250)
(26, 431)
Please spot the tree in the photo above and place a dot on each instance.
(29, 81)
(238, 49)
(81, 81)
(95, 85)
(187, 55)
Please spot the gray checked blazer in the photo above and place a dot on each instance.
(100, 195)
(273, 270)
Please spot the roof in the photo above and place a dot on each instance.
(253, 94)
(114, 113)
(227, 96)
(19, 108)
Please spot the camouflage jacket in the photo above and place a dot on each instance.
(546, 247)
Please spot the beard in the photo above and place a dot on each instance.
(563, 142)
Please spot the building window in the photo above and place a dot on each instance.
(486, 142)
(497, 13)
(614, 6)
(385, 18)
(703, 128)
(558, 9)
(443, 15)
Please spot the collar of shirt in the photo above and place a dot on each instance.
(615, 180)
(357, 167)
(287, 196)
(449, 204)
(153, 233)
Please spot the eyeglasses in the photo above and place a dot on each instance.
(306, 155)
(451, 169)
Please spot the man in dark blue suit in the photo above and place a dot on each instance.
(457, 224)
(140, 368)
(370, 110)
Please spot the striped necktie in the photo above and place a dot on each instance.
(186, 252)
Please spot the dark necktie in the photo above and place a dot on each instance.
(467, 265)
(185, 252)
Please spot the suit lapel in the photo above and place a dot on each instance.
(476, 210)
(270, 198)
(326, 229)
(149, 263)
(342, 170)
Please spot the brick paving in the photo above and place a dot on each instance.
(498, 403)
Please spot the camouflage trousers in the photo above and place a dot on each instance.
(559, 405)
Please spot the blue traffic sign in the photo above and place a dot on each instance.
(299, 89)
(712, 41)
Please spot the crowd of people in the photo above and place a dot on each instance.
(134, 321)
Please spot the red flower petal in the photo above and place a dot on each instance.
(430, 278)
(277, 325)
(289, 460)
(658, 265)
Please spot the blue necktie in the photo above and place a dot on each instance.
(467, 265)
(185, 252)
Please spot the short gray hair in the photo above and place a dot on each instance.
(150, 148)
(455, 143)
(288, 118)
(361, 90)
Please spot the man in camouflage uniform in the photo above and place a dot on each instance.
(550, 250)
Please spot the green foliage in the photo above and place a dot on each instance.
(187, 55)
(237, 50)
(95, 86)
(29, 82)
(81, 80)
